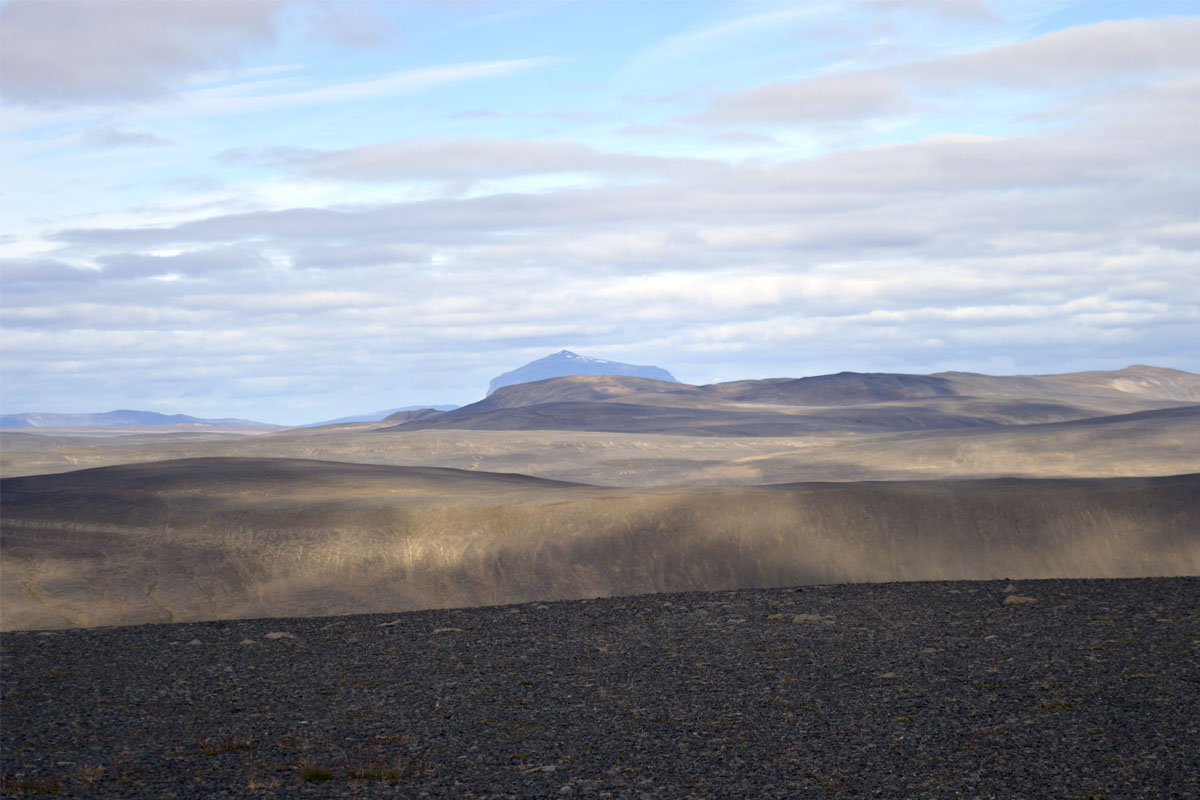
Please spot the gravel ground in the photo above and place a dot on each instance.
(1090, 690)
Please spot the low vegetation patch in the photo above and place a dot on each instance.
(315, 774)
(211, 746)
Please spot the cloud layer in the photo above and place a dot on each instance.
(300, 244)
(92, 51)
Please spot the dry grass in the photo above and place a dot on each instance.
(336, 538)
(1160, 443)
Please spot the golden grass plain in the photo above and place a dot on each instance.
(226, 538)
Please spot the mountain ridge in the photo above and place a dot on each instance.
(123, 417)
(847, 401)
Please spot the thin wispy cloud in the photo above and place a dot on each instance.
(276, 95)
(115, 137)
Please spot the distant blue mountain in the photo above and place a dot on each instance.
(123, 417)
(374, 416)
(566, 363)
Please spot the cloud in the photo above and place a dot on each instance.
(1071, 245)
(98, 51)
(701, 43)
(1075, 57)
(268, 96)
(456, 160)
(354, 26)
(114, 137)
(1128, 165)
(834, 98)
(950, 10)
(199, 263)
(1081, 58)
(42, 270)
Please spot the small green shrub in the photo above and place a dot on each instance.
(314, 774)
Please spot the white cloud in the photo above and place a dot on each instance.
(353, 24)
(96, 51)
(952, 10)
(460, 160)
(833, 98)
(106, 137)
(336, 251)
(1082, 59)
(1077, 56)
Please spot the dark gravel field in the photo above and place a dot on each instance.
(1090, 689)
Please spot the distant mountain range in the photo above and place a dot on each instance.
(845, 402)
(120, 418)
(564, 363)
(592, 394)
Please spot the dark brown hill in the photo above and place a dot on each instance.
(617, 417)
(843, 389)
(576, 389)
(411, 414)
(1156, 382)
(207, 477)
(844, 403)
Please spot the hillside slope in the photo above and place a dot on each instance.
(225, 538)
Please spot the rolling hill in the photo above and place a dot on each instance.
(847, 401)
(591, 485)
(226, 538)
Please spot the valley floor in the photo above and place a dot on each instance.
(1054, 688)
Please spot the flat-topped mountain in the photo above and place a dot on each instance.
(119, 418)
(564, 363)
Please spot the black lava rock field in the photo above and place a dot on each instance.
(1058, 688)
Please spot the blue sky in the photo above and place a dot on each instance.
(290, 211)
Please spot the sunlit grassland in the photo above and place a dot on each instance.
(336, 538)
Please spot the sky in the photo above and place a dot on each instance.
(294, 211)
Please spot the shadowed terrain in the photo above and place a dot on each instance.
(607, 485)
(227, 538)
(1161, 442)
